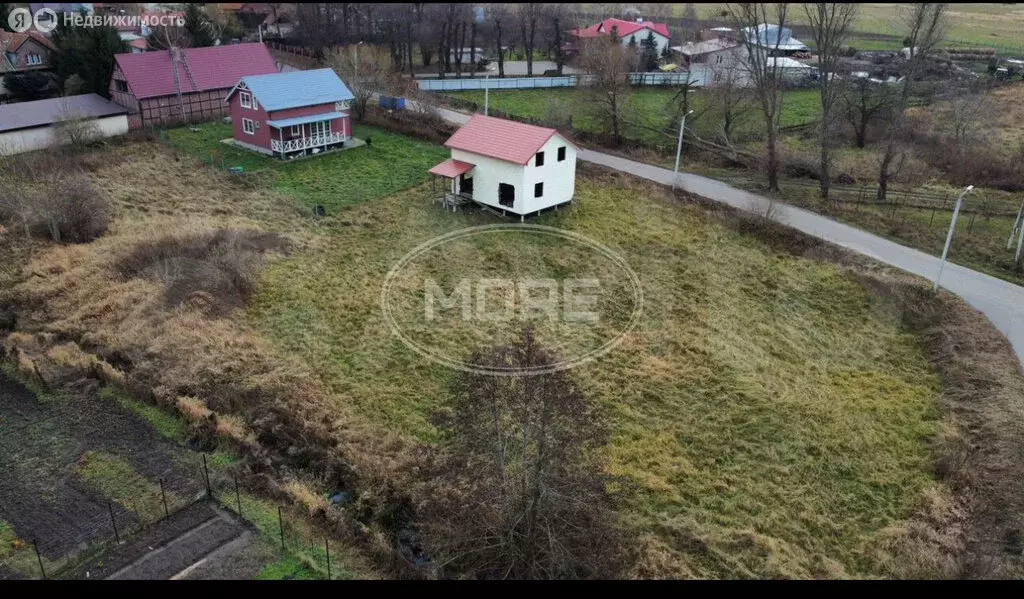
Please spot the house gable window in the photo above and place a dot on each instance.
(245, 99)
(561, 154)
(12, 58)
(34, 59)
(540, 158)
(248, 127)
(538, 190)
(122, 86)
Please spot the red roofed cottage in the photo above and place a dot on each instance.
(170, 87)
(513, 167)
(627, 30)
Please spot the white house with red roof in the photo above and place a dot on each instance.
(508, 166)
(627, 30)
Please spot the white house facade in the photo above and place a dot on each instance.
(511, 167)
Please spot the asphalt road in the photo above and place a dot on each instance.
(1001, 301)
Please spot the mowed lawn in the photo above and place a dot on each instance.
(649, 108)
(389, 164)
(771, 416)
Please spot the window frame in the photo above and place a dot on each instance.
(539, 159)
(251, 130)
(562, 153)
(245, 99)
(299, 130)
(538, 190)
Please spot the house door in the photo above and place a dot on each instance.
(465, 185)
(321, 128)
(506, 194)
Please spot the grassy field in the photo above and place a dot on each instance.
(768, 408)
(772, 416)
(650, 107)
(981, 23)
(391, 163)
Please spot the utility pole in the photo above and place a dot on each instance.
(487, 91)
(679, 147)
(949, 236)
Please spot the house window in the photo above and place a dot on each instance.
(296, 129)
(248, 127)
(34, 59)
(540, 158)
(245, 99)
(255, 104)
(538, 190)
(718, 59)
(12, 58)
(561, 153)
(122, 86)
(506, 194)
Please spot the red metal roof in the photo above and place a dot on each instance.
(501, 139)
(10, 42)
(623, 28)
(150, 74)
(451, 168)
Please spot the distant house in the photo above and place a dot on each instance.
(627, 30)
(714, 52)
(508, 166)
(183, 85)
(291, 114)
(22, 52)
(27, 126)
(772, 37)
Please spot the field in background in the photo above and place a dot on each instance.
(650, 117)
(982, 23)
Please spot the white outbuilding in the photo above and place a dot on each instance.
(28, 126)
(510, 167)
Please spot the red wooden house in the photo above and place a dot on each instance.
(292, 114)
(170, 87)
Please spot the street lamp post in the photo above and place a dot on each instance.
(949, 236)
(679, 147)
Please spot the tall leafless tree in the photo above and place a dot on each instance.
(609, 90)
(830, 25)
(500, 18)
(925, 24)
(523, 493)
(764, 70)
(864, 102)
(528, 16)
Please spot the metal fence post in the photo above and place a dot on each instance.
(238, 498)
(113, 522)
(327, 548)
(39, 557)
(280, 525)
(163, 496)
(206, 475)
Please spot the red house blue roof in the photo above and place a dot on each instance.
(295, 89)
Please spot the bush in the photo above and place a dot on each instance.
(73, 211)
(213, 271)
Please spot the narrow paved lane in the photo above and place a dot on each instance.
(1001, 301)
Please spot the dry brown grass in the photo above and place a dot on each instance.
(77, 297)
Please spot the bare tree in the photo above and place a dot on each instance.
(608, 90)
(864, 102)
(73, 131)
(500, 18)
(751, 19)
(365, 69)
(830, 24)
(969, 111)
(728, 96)
(925, 24)
(527, 16)
(524, 492)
